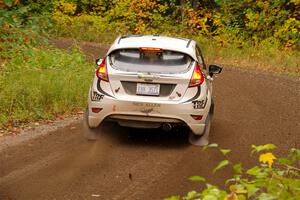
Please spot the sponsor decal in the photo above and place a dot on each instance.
(147, 110)
(114, 108)
(151, 105)
(96, 96)
(117, 90)
(199, 104)
(178, 94)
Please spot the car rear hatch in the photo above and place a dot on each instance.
(149, 74)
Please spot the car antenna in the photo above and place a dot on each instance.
(188, 44)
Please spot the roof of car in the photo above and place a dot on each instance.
(167, 43)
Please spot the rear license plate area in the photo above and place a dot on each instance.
(147, 89)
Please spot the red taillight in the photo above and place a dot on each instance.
(96, 110)
(101, 72)
(197, 77)
(197, 117)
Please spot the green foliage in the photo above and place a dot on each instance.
(122, 16)
(37, 81)
(19, 32)
(84, 27)
(241, 23)
(48, 82)
(227, 30)
(261, 20)
(277, 180)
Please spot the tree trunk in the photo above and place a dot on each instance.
(195, 4)
(182, 4)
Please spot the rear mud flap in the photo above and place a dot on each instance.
(201, 140)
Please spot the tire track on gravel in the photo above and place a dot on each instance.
(29, 169)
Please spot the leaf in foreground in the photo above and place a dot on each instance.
(267, 158)
(213, 145)
(225, 151)
(252, 189)
(221, 164)
(262, 147)
(285, 161)
(265, 196)
(254, 171)
(191, 195)
(238, 169)
(197, 178)
(172, 198)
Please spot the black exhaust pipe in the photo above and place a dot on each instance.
(167, 127)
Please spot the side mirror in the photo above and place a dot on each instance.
(98, 61)
(214, 69)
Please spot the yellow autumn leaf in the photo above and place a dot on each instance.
(267, 158)
(231, 196)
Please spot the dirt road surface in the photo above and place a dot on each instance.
(124, 163)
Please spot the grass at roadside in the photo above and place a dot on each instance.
(44, 83)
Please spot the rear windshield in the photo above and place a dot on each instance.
(163, 61)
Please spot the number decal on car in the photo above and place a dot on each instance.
(96, 96)
(199, 104)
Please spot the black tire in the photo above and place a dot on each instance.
(88, 132)
(212, 108)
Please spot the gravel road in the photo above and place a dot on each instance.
(124, 163)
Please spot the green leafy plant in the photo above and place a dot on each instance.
(37, 81)
(49, 82)
(272, 178)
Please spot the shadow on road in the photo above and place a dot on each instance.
(176, 138)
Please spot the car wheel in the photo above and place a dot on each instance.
(88, 132)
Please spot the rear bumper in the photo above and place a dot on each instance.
(158, 112)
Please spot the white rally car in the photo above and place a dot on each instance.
(152, 81)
